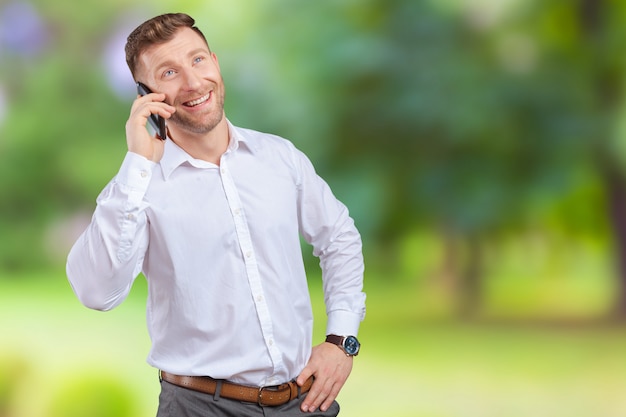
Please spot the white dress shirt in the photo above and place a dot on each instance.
(220, 249)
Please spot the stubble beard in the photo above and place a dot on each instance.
(204, 124)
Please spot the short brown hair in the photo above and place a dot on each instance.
(159, 29)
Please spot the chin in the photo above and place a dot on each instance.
(207, 125)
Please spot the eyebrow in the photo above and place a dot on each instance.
(170, 63)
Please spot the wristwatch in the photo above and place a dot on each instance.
(349, 344)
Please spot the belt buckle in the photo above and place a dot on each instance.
(259, 400)
(271, 391)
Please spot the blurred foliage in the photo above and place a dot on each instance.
(13, 370)
(96, 396)
(480, 146)
(474, 122)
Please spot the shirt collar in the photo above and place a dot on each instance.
(174, 156)
(239, 137)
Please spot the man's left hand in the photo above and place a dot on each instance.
(331, 367)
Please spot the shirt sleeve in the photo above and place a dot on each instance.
(325, 223)
(105, 260)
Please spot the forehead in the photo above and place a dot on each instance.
(185, 42)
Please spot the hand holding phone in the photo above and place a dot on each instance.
(156, 121)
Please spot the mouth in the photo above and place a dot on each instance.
(198, 101)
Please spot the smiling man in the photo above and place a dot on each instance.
(212, 216)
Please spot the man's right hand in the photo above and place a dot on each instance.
(137, 136)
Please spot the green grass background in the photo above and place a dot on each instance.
(58, 358)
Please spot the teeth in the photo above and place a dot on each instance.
(198, 101)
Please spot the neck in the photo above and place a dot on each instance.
(208, 146)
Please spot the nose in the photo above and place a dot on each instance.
(192, 81)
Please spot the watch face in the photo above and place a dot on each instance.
(351, 345)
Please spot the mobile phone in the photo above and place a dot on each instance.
(156, 121)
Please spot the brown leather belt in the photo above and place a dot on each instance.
(264, 396)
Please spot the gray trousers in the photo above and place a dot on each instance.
(176, 401)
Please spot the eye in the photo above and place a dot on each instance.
(198, 59)
(168, 73)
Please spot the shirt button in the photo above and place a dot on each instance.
(248, 254)
(144, 174)
(237, 211)
(130, 216)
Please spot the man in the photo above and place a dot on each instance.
(212, 216)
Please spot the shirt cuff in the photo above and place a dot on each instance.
(135, 172)
(343, 323)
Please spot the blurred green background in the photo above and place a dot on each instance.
(479, 144)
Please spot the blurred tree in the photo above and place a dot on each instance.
(602, 38)
(480, 127)
(405, 89)
(478, 122)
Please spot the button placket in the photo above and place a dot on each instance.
(249, 258)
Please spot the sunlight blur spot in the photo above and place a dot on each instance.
(518, 53)
(114, 59)
(481, 14)
(22, 30)
(486, 14)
